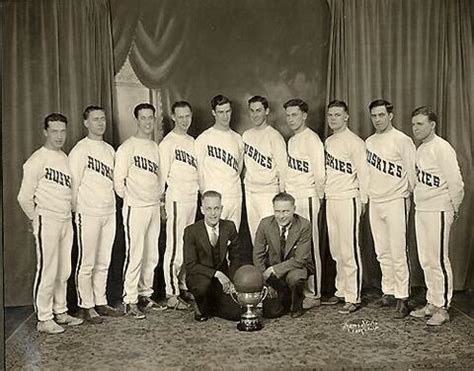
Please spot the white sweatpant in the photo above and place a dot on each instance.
(259, 206)
(232, 209)
(142, 230)
(388, 221)
(343, 228)
(432, 236)
(95, 239)
(308, 207)
(179, 215)
(53, 265)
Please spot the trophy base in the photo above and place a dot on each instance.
(249, 327)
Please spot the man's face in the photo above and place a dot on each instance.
(55, 135)
(381, 119)
(422, 127)
(222, 114)
(96, 123)
(296, 118)
(211, 208)
(337, 118)
(146, 121)
(258, 113)
(182, 118)
(284, 211)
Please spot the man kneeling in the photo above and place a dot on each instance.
(207, 244)
(282, 252)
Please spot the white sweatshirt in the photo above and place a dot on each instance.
(136, 173)
(391, 159)
(306, 171)
(92, 169)
(220, 160)
(346, 167)
(179, 167)
(265, 160)
(439, 185)
(46, 186)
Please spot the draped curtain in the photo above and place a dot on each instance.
(57, 56)
(411, 53)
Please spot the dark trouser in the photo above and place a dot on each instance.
(290, 289)
(210, 298)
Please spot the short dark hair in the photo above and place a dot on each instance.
(180, 104)
(258, 98)
(425, 111)
(89, 109)
(381, 103)
(338, 103)
(211, 194)
(141, 106)
(283, 196)
(219, 100)
(297, 102)
(54, 117)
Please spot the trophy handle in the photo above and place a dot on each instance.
(232, 293)
(265, 293)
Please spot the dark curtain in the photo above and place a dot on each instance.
(195, 50)
(411, 53)
(57, 56)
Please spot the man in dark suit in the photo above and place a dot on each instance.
(211, 256)
(282, 253)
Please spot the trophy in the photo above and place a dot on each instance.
(248, 283)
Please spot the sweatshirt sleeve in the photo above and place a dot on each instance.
(166, 160)
(408, 153)
(360, 162)
(200, 149)
(319, 166)
(32, 173)
(449, 167)
(77, 165)
(122, 159)
(281, 160)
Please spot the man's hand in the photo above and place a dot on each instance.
(272, 293)
(456, 215)
(408, 205)
(268, 272)
(30, 226)
(224, 281)
(363, 208)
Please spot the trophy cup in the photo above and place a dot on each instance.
(248, 283)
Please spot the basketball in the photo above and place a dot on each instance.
(248, 279)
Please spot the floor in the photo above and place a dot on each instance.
(322, 338)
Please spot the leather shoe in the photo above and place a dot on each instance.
(200, 317)
(297, 313)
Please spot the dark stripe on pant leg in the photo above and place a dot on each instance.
(40, 271)
(79, 256)
(310, 202)
(407, 254)
(173, 254)
(354, 244)
(441, 258)
(127, 247)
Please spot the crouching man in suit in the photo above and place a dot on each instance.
(282, 253)
(211, 257)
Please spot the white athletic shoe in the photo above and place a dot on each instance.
(49, 327)
(66, 319)
(309, 303)
(427, 311)
(439, 317)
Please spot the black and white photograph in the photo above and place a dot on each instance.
(237, 184)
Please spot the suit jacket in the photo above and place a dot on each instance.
(198, 249)
(297, 252)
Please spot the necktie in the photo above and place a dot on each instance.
(283, 242)
(213, 237)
